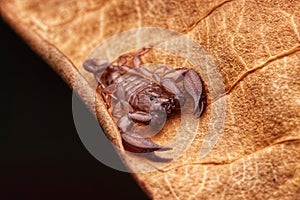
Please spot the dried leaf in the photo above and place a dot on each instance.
(255, 45)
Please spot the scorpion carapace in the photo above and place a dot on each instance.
(143, 97)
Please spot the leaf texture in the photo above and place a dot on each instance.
(254, 44)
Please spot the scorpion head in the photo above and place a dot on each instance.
(155, 98)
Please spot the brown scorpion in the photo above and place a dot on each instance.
(144, 97)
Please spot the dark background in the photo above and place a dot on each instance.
(41, 155)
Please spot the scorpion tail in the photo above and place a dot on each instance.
(137, 143)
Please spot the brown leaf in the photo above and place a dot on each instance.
(255, 45)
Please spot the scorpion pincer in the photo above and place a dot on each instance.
(144, 97)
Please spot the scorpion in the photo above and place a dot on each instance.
(144, 97)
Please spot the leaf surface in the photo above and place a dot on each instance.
(254, 44)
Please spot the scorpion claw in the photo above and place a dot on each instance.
(95, 65)
(193, 86)
(136, 143)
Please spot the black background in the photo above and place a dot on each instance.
(41, 155)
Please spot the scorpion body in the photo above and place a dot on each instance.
(143, 97)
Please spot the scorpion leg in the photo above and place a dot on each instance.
(110, 89)
(176, 75)
(125, 124)
(137, 56)
(170, 86)
(106, 92)
(122, 60)
(155, 75)
(160, 70)
(121, 108)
